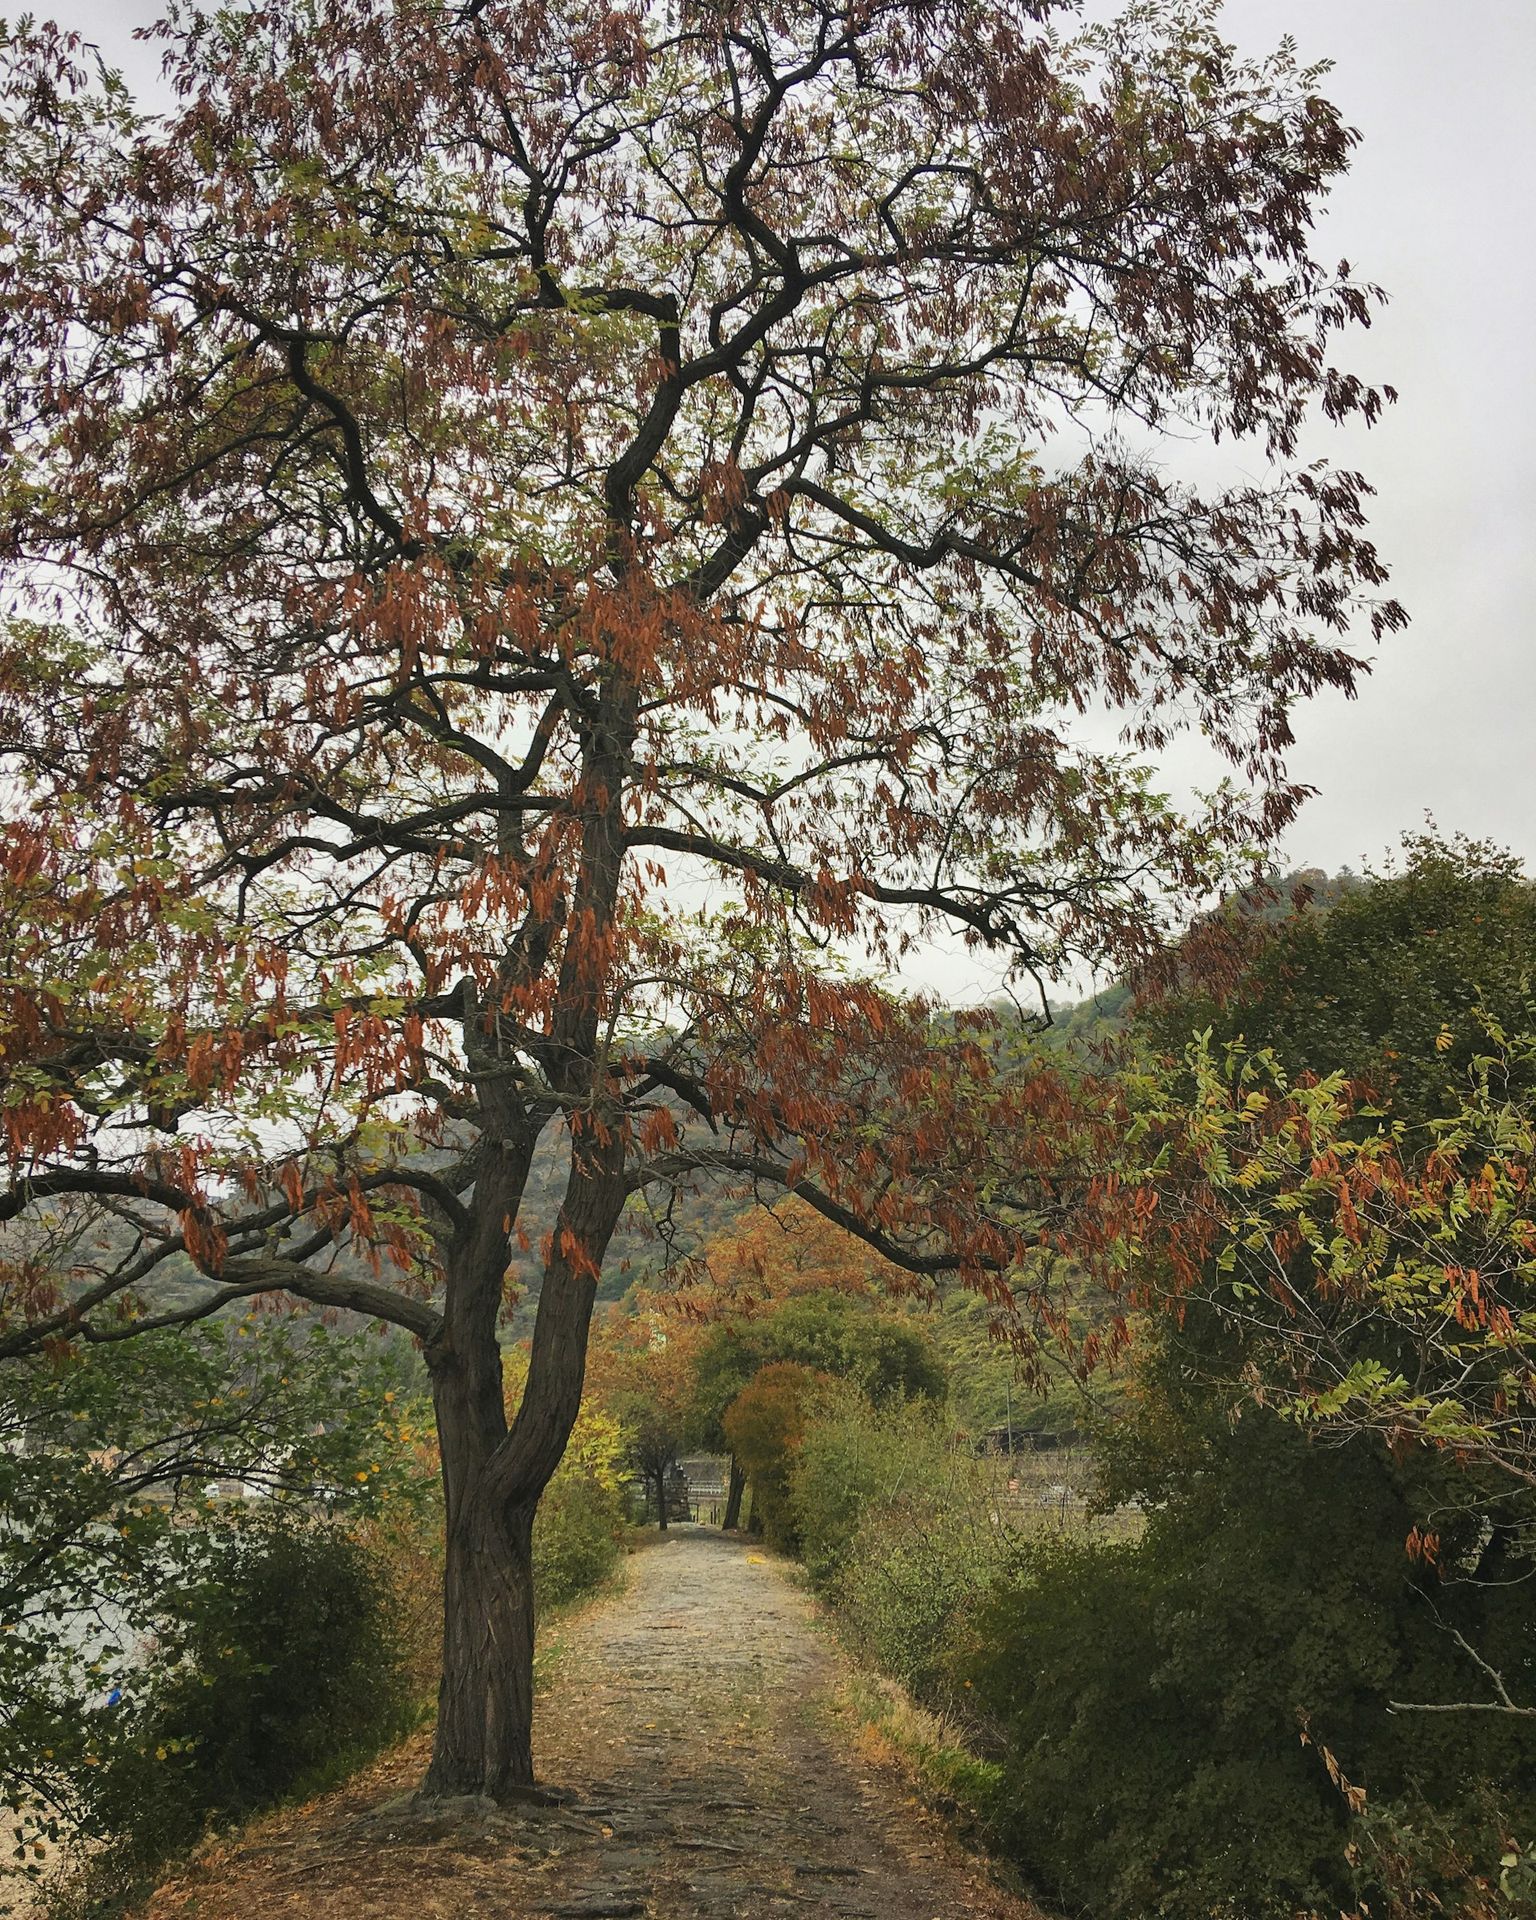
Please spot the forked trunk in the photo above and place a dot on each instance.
(493, 1477)
(485, 1699)
(734, 1490)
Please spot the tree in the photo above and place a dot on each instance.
(1345, 1204)
(1343, 1223)
(654, 1431)
(837, 1330)
(545, 544)
(1381, 976)
(743, 1273)
(642, 1369)
(884, 1356)
(769, 1255)
(764, 1426)
(1358, 1143)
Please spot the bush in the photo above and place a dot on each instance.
(1153, 1701)
(917, 1573)
(282, 1672)
(116, 1566)
(853, 1457)
(901, 1529)
(1141, 1705)
(576, 1538)
(1121, 1791)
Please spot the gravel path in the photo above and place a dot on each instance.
(692, 1719)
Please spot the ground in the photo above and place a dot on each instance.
(694, 1717)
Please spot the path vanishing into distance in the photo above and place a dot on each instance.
(695, 1717)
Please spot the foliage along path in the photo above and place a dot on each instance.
(692, 1715)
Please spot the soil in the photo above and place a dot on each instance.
(693, 1723)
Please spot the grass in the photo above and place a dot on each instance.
(889, 1728)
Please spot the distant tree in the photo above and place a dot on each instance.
(764, 1257)
(887, 1356)
(771, 1254)
(1383, 979)
(476, 473)
(764, 1425)
(654, 1435)
(883, 1356)
(643, 1372)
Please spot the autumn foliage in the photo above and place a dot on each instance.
(544, 545)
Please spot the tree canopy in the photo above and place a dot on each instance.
(543, 545)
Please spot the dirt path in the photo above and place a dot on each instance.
(692, 1718)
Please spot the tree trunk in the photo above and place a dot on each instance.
(735, 1487)
(493, 1475)
(661, 1499)
(493, 1478)
(484, 1742)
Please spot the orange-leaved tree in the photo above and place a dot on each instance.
(640, 1367)
(543, 545)
(765, 1425)
(769, 1255)
(761, 1260)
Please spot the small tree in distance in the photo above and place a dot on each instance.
(543, 546)
(764, 1426)
(642, 1370)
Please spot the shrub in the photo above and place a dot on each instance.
(916, 1574)
(1153, 1701)
(900, 1526)
(281, 1672)
(575, 1538)
(1120, 1791)
(853, 1457)
(116, 1566)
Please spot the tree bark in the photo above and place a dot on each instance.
(735, 1487)
(493, 1477)
(661, 1500)
(484, 1737)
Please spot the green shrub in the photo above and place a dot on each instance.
(1121, 1791)
(280, 1673)
(217, 1619)
(854, 1457)
(1152, 1701)
(900, 1527)
(576, 1538)
(916, 1573)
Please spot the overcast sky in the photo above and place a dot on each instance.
(1438, 210)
